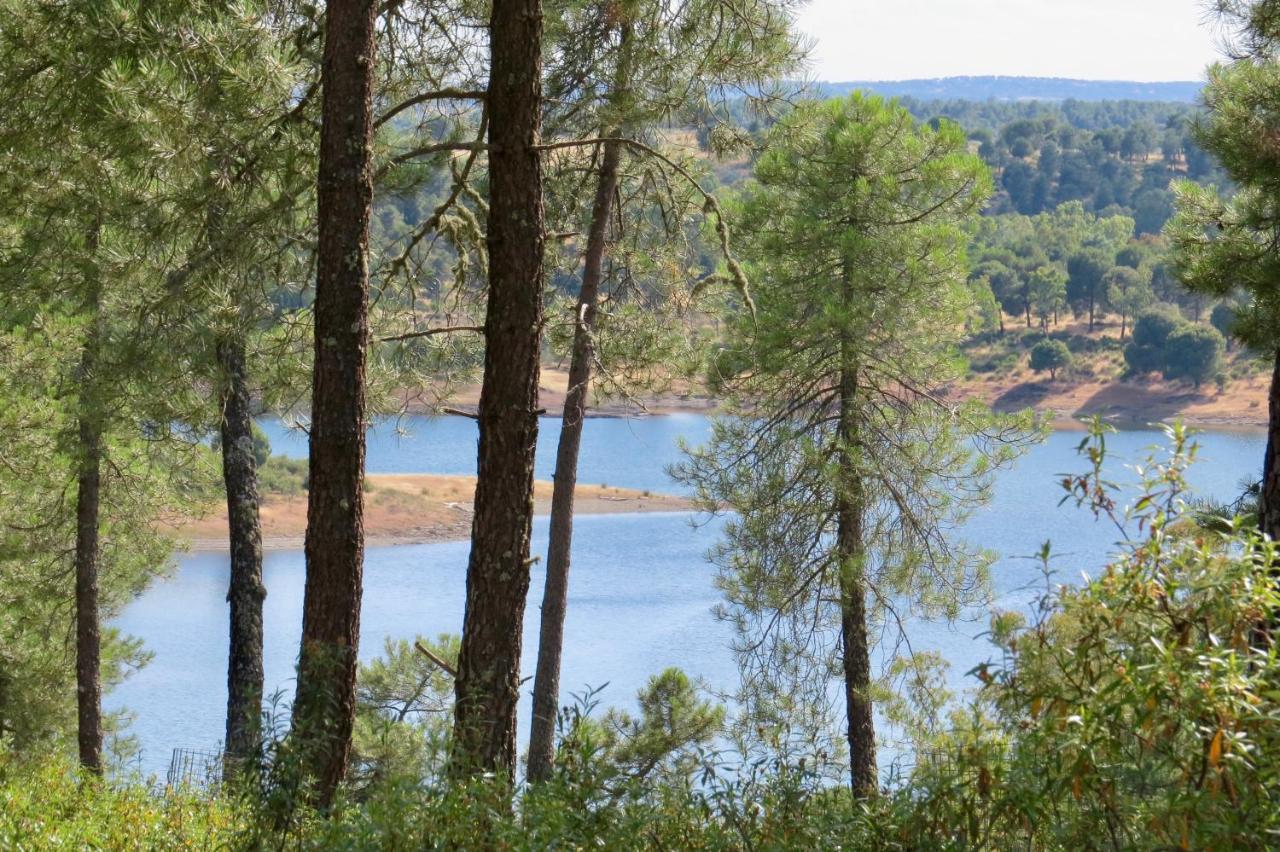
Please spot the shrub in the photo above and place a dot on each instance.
(1135, 711)
(1193, 352)
(283, 476)
(1223, 318)
(1050, 355)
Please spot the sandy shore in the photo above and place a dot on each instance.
(413, 509)
(681, 398)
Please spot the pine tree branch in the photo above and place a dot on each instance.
(424, 97)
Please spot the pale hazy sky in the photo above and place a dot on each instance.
(1089, 39)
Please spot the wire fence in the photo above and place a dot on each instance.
(193, 768)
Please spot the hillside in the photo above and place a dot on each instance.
(1098, 383)
(1002, 88)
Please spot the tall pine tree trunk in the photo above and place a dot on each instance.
(487, 687)
(324, 710)
(555, 595)
(246, 591)
(88, 636)
(1269, 515)
(851, 551)
(87, 548)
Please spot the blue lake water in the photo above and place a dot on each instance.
(641, 593)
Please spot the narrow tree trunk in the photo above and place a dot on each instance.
(88, 637)
(1124, 319)
(555, 595)
(324, 710)
(850, 551)
(246, 591)
(851, 558)
(87, 551)
(1027, 305)
(1269, 514)
(487, 687)
(1091, 309)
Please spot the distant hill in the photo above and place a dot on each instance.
(1021, 89)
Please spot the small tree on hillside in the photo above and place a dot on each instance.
(1193, 352)
(1146, 352)
(984, 309)
(1048, 291)
(1051, 355)
(1223, 318)
(1086, 284)
(1128, 291)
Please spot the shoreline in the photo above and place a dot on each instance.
(277, 544)
(411, 508)
(1241, 406)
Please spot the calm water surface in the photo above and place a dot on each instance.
(641, 593)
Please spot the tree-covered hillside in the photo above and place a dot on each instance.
(998, 88)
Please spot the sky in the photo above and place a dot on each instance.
(1145, 40)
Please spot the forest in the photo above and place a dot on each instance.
(229, 227)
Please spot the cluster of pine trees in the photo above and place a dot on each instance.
(189, 235)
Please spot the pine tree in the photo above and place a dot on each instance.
(624, 68)
(1224, 247)
(844, 467)
(487, 686)
(324, 709)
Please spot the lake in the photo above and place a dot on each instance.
(641, 593)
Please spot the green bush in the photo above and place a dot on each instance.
(1139, 710)
(1223, 318)
(1050, 355)
(283, 476)
(1146, 350)
(46, 806)
(1193, 352)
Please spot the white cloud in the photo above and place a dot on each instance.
(1089, 39)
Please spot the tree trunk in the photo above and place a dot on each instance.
(88, 637)
(855, 644)
(246, 591)
(87, 550)
(1027, 305)
(1269, 514)
(546, 684)
(488, 683)
(1091, 308)
(1124, 319)
(324, 710)
(850, 552)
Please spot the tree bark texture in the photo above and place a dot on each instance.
(851, 562)
(324, 710)
(487, 686)
(88, 635)
(87, 547)
(855, 644)
(555, 595)
(1270, 508)
(246, 591)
